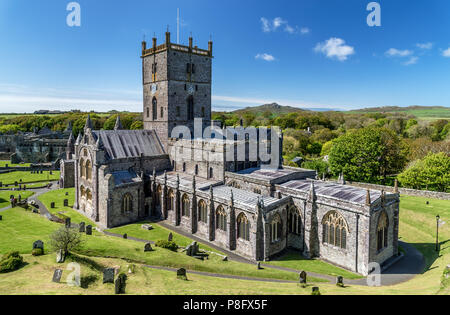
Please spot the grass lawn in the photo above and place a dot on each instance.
(3, 164)
(27, 177)
(5, 196)
(158, 233)
(58, 196)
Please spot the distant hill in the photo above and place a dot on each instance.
(421, 112)
(274, 108)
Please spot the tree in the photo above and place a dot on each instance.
(366, 154)
(430, 173)
(321, 167)
(65, 239)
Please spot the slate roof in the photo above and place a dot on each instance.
(275, 175)
(125, 177)
(242, 197)
(334, 190)
(120, 144)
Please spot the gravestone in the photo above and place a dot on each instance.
(1, 184)
(52, 205)
(60, 257)
(16, 183)
(1, 218)
(66, 202)
(108, 275)
(24, 187)
(82, 227)
(35, 210)
(170, 238)
(428, 203)
(89, 230)
(20, 180)
(303, 277)
(340, 281)
(148, 247)
(51, 173)
(125, 236)
(120, 284)
(258, 266)
(68, 223)
(57, 276)
(315, 291)
(20, 198)
(225, 258)
(192, 249)
(67, 193)
(38, 244)
(181, 273)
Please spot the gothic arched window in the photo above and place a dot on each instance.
(185, 206)
(295, 221)
(171, 200)
(127, 203)
(275, 229)
(82, 192)
(243, 227)
(202, 212)
(88, 170)
(221, 219)
(154, 108)
(158, 196)
(82, 168)
(382, 231)
(190, 103)
(334, 230)
(88, 195)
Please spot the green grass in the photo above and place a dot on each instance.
(296, 261)
(58, 196)
(27, 177)
(158, 233)
(5, 196)
(3, 164)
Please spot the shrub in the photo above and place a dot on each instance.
(167, 245)
(10, 262)
(37, 252)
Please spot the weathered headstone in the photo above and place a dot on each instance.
(20, 198)
(340, 281)
(148, 247)
(89, 230)
(57, 275)
(258, 266)
(68, 223)
(120, 284)
(108, 275)
(51, 173)
(16, 183)
(82, 227)
(38, 244)
(125, 236)
(225, 258)
(36, 211)
(60, 256)
(315, 291)
(1, 184)
(170, 238)
(67, 193)
(66, 202)
(303, 277)
(52, 205)
(181, 273)
(1, 218)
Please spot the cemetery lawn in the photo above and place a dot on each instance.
(6, 194)
(158, 233)
(58, 196)
(3, 164)
(27, 177)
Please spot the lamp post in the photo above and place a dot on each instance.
(437, 232)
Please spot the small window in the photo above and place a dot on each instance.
(178, 111)
(148, 112)
(196, 169)
(162, 112)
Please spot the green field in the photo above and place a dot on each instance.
(19, 229)
(4, 163)
(58, 196)
(27, 177)
(422, 113)
(6, 194)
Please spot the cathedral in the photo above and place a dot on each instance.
(185, 169)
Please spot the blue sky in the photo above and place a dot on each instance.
(309, 53)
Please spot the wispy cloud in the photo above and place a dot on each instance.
(278, 23)
(335, 48)
(266, 57)
(425, 46)
(446, 53)
(411, 61)
(393, 52)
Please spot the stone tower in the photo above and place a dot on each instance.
(176, 86)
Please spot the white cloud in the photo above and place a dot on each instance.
(393, 52)
(265, 25)
(277, 22)
(335, 48)
(289, 29)
(446, 53)
(265, 57)
(425, 45)
(412, 61)
(304, 30)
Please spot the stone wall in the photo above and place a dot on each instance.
(404, 191)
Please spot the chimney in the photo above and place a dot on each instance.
(167, 39)
(210, 48)
(154, 43)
